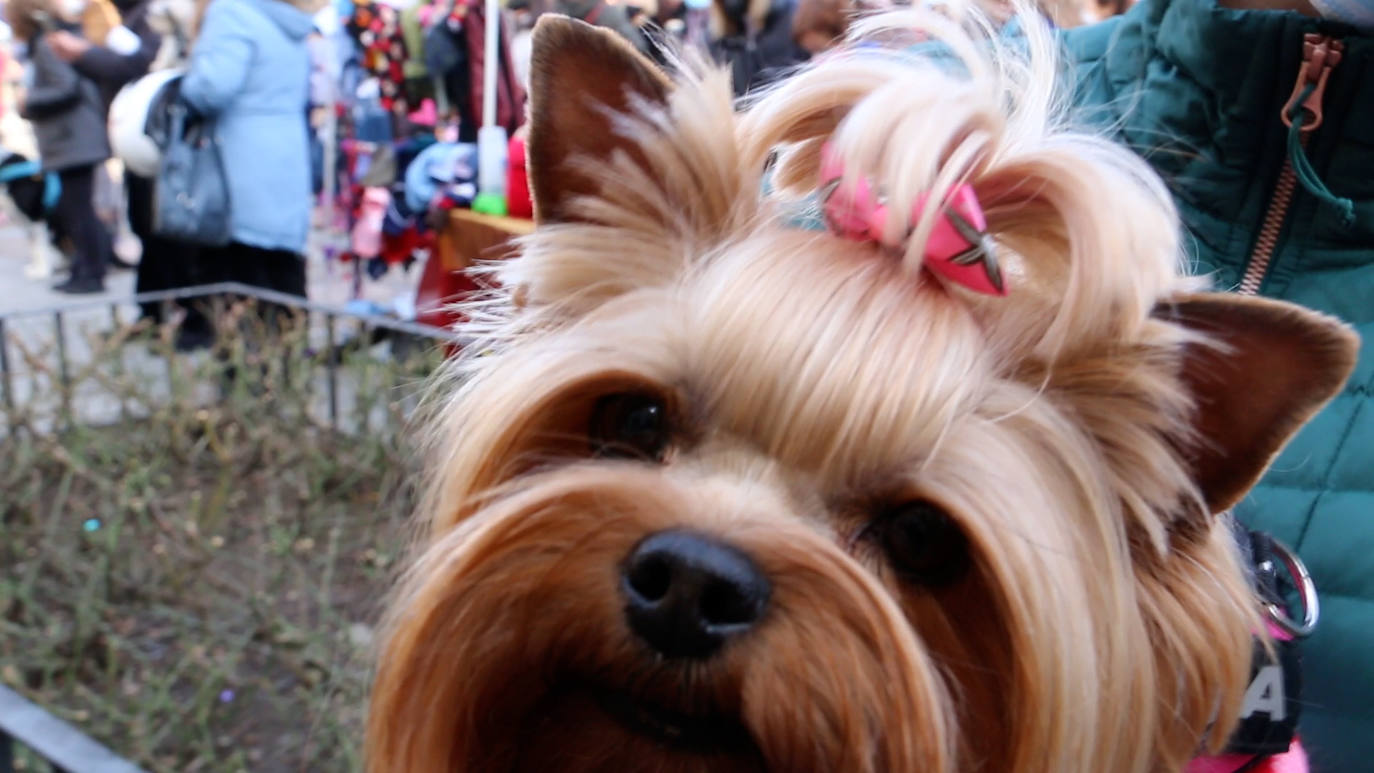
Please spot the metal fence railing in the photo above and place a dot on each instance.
(61, 366)
(66, 749)
(59, 336)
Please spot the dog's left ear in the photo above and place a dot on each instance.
(1275, 366)
(580, 77)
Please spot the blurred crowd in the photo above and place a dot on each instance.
(236, 60)
(253, 65)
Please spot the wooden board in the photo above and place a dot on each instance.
(468, 237)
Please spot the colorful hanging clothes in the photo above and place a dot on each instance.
(376, 28)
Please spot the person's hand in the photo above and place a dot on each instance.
(67, 46)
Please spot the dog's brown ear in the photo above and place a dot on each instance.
(1274, 367)
(580, 76)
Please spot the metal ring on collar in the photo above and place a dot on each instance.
(1307, 591)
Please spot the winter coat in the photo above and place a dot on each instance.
(112, 69)
(250, 70)
(66, 111)
(759, 58)
(603, 14)
(1198, 90)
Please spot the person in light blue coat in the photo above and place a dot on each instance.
(250, 71)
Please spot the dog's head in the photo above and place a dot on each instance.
(723, 493)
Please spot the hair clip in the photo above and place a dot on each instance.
(958, 249)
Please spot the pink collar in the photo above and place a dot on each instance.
(1292, 761)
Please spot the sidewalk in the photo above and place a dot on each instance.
(329, 282)
(20, 293)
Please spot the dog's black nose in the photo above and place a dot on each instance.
(687, 593)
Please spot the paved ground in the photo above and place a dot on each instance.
(21, 292)
(329, 281)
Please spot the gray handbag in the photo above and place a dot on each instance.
(191, 196)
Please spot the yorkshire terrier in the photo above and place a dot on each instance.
(846, 431)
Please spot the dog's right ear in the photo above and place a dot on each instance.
(1270, 368)
(581, 77)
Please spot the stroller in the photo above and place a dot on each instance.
(31, 198)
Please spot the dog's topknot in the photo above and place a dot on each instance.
(922, 101)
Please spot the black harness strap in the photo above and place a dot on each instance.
(1269, 715)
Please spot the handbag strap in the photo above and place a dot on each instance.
(176, 121)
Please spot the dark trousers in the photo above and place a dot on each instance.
(75, 218)
(166, 264)
(279, 270)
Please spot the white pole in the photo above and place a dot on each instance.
(492, 63)
(329, 135)
(491, 139)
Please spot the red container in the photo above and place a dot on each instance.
(518, 201)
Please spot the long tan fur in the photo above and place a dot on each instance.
(1105, 624)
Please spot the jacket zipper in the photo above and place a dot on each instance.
(1320, 55)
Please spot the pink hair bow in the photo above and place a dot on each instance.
(958, 249)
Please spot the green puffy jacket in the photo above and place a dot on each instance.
(1199, 90)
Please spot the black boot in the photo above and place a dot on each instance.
(80, 286)
(190, 339)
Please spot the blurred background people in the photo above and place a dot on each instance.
(250, 72)
(68, 117)
(127, 53)
(754, 39)
(613, 16)
(819, 24)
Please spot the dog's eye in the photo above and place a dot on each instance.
(630, 425)
(922, 543)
